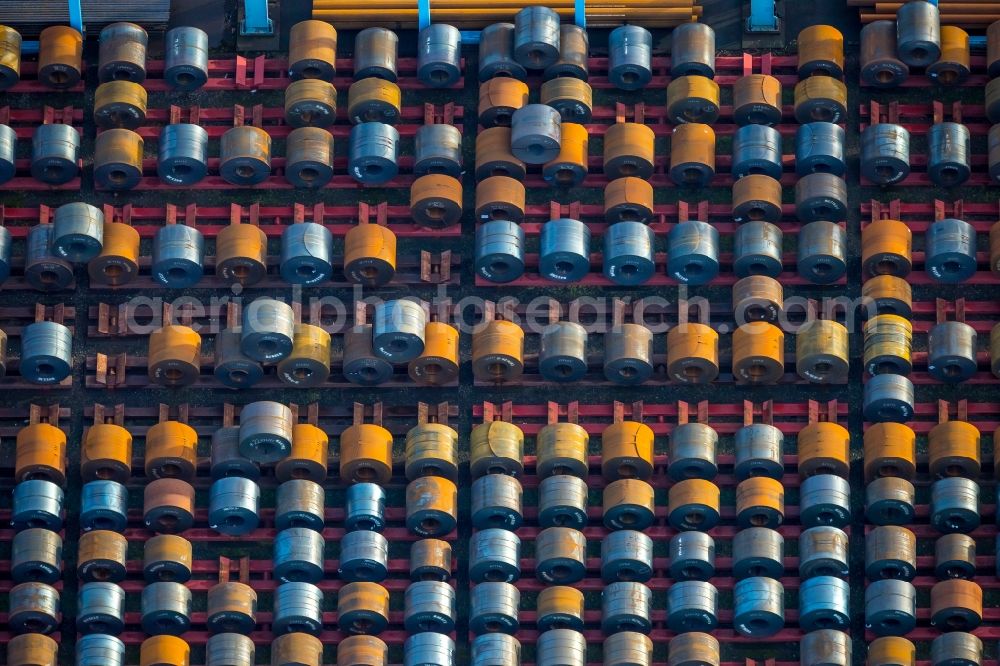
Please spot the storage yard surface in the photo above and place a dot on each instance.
(109, 381)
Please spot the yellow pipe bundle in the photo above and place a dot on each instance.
(961, 13)
(480, 13)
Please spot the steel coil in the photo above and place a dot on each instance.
(428, 648)
(233, 504)
(429, 606)
(103, 650)
(268, 330)
(888, 397)
(822, 252)
(628, 504)
(819, 148)
(300, 504)
(628, 354)
(574, 49)
(360, 364)
(36, 556)
(312, 51)
(536, 133)
(630, 50)
(306, 253)
(890, 552)
(33, 608)
(496, 650)
(693, 648)
(398, 330)
(561, 647)
(950, 254)
(757, 151)
(373, 150)
(758, 250)
(628, 153)
(821, 197)
(493, 607)
(375, 54)
(55, 151)
(10, 57)
(496, 502)
(536, 37)
(298, 555)
(430, 559)
(560, 555)
(759, 452)
(233, 368)
(298, 608)
(77, 232)
(229, 649)
(431, 506)
(692, 605)
(438, 150)
(626, 555)
(500, 251)
(439, 52)
(693, 252)
(494, 556)
(890, 501)
(562, 356)
(949, 153)
(168, 505)
(365, 507)
(691, 452)
(955, 557)
(60, 57)
(628, 253)
(166, 609)
(885, 153)
(103, 505)
(821, 52)
(692, 50)
(562, 502)
(890, 607)
(496, 53)
(825, 499)
(364, 557)
(956, 648)
(693, 504)
(692, 556)
(826, 647)
(955, 505)
(46, 352)
(362, 608)
(122, 54)
(693, 99)
(759, 607)
(185, 64)
(245, 156)
(265, 431)
(309, 157)
(757, 100)
(880, 67)
(758, 551)
(951, 352)
(918, 34)
(167, 557)
(38, 503)
(692, 155)
(232, 607)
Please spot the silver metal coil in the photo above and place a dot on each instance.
(562, 356)
(822, 252)
(955, 505)
(823, 551)
(626, 555)
(628, 354)
(268, 330)
(233, 505)
(561, 647)
(693, 252)
(496, 650)
(627, 606)
(630, 57)
(429, 648)
(949, 154)
(36, 556)
(500, 251)
(375, 54)
(564, 254)
(365, 507)
(574, 50)
(37, 503)
(6, 253)
(879, 65)
(306, 253)
(46, 352)
(496, 502)
(890, 501)
(178, 256)
(628, 253)
(825, 647)
(819, 148)
(373, 151)
(918, 33)
(182, 154)
(398, 330)
(55, 149)
(8, 152)
(33, 608)
(562, 502)
(824, 499)
(758, 551)
(228, 649)
(536, 37)
(757, 151)
(759, 607)
(103, 505)
(245, 156)
(956, 648)
(186, 58)
(265, 431)
(536, 132)
(298, 555)
(888, 397)
(364, 557)
(494, 556)
(233, 368)
(100, 609)
(309, 157)
(298, 608)
(692, 50)
(885, 153)
(757, 249)
(122, 53)
(692, 605)
(104, 650)
(439, 55)
(759, 449)
(438, 150)
(496, 53)
(692, 556)
(360, 364)
(691, 452)
(890, 607)
(950, 253)
(429, 605)
(955, 556)
(890, 552)
(821, 197)
(560, 555)
(951, 351)
(166, 608)
(493, 607)
(77, 232)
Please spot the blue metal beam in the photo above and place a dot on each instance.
(762, 17)
(255, 18)
(76, 15)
